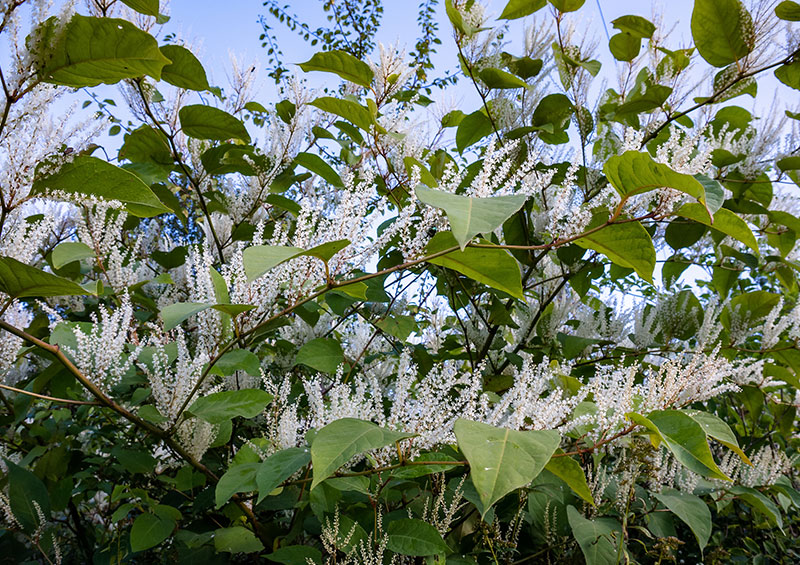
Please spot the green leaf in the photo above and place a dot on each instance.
(322, 354)
(724, 220)
(715, 193)
(635, 172)
(789, 74)
(628, 245)
(318, 166)
(760, 503)
(19, 280)
(95, 177)
(685, 438)
(150, 530)
(500, 79)
(749, 307)
(296, 555)
(408, 536)
(722, 31)
(471, 216)
(351, 111)
(237, 360)
(278, 467)
(471, 129)
(146, 7)
(788, 11)
(327, 250)
(259, 259)
(174, 314)
(571, 472)
(552, 116)
(206, 122)
(493, 267)
(719, 430)
(221, 406)
(236, 540)
(91, 51)
(567, 5)
(598, 539)
(238, 478)
(637, 26)
(691, 510)
(137, 462)
(69, 251)
(502, 460)
(425, 175)
(25, 488)
(624, 46)
(338, 442)
(520, 8)
(185, 71)
(341, 63)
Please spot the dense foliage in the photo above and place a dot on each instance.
(356, 326)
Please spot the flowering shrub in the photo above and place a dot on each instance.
(348, 327)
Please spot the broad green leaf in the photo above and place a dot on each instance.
(238, 478)
(759, 502)
(22, 281)
(259, 259)
(635, 172)
(341, 63)
(520, 8)
(137, 462)
(722, 31)
(789, 74)
(174, 314)
(338, 442)
(351, 111)
(502, 460)
(470, 216)
(25, 488)
(236, 540)
(635, 25)
(318, 166)
(278, 467)
(493, 267)
(552, 117)
(724, 220)
(95, 177)
(628, 245)
(233, 310)
(92, 50)
(146, 7)
(500, 79)
(296, 555)
(150, 530)
(69, 251)
(408, 536)
(327, 250)
(691, 510)
(414, 471)
(567, 5)
(717, 429)
(237, 360)
(147, 144)
(685, 438)
(185, 71)
(788, 11)
(749, 308)
(624, 46)
(206, 122)
(221, 406)
(322, 354)
(715, 193)
(571, 472)
(598, 538)
(425, 175)
(471, 129)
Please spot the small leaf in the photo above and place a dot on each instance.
(691, 510)
(318, 166)
(788, 11)
(722, 31)
(571, 472)
(516, 9)
(238, 478)
(471, 129)
(597, 538)
(493, 267)
(567, 5)
(624, 46)
(222, 406)
(259, 259)
(500, 79)
(236, 540)
(637, 26)
(502, 460)
(341, 63)
(471, 216)
(69, 251)
(351, 111)
(237, 360)
(174, 314)
(150, 530)
(408, 536)
(94, 177)
(338, 442)
(206, 122)
(322, 354)
(185, 71)
(278, 467)
(90, 51)
(19, 280)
